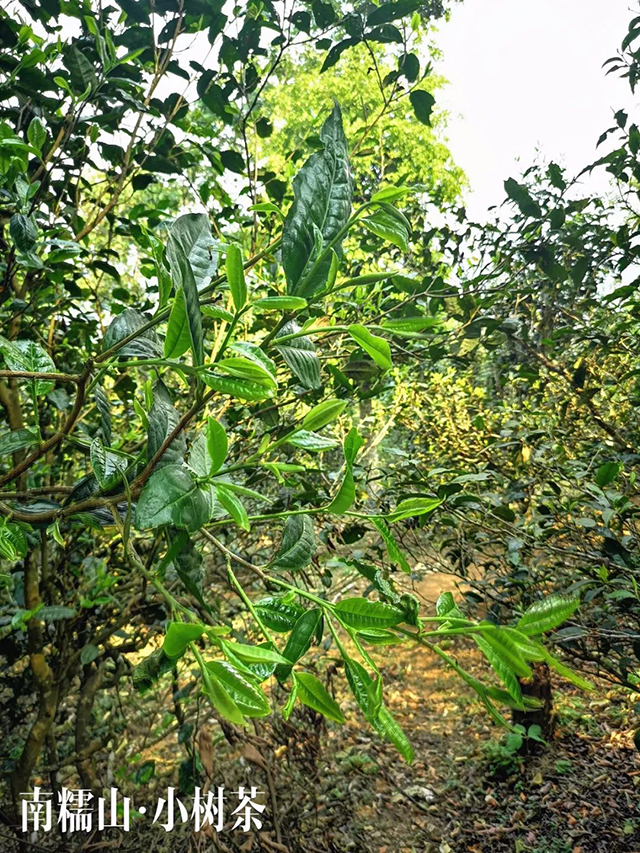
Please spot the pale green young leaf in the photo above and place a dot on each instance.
(235, 276)
(312, 692)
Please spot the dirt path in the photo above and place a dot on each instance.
(466, 791)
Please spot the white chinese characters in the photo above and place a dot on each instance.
(79, 811)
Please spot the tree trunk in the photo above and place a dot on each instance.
(539, 687)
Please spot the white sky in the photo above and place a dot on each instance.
(527, 75)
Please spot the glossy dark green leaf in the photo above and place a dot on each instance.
(163, 420)
(422, 103)
(322, 200)
(250, 699)
(81, 71)
(278, 614)
(29, 356)
(172, 497)
(183, 557)
(102, 404)
(389, 228)
(23, 231)
(299, 640)
(606, 474)
(150, 669)
(300, 356)
(186, 233)
(108, 466)
(145, 344)
(15, 440)
(298, 543)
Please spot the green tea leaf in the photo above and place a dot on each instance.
(249, 699)
(312, 692)
(322, 192)
(145, 344)
(523, 198)
(37, 133)
(504, 647)
(233, 506)
(312, 442)
(15, 440)
(299, 355)
(376, 347)
(607, 473)
(280, 303)
(393, 549)
(361, 613)
(278, 614)
(13, 542)
(235, 276)
(249, 369)
(171, 496)
(29, 356)
(389, 228)
(547, 614)
(300, 640)
(178, 637)
(217, 444)
(323, 414)
(505, 673)
(23, 232)
(243, 389)
(254, 654)
(567, 673)
(184, 234)
(298, 544)
(379, 637)
(107, 466)
(219, 696)
(347, 492)
(163, 420)
(413, 507)
(178, 337)
(422, 103)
